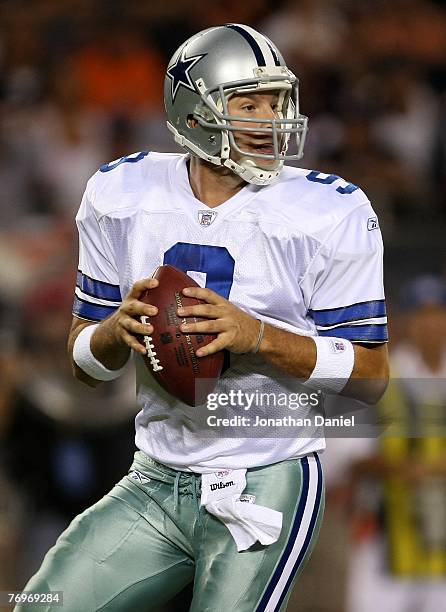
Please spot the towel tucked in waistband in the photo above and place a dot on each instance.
(246, 521)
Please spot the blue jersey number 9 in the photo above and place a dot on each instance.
(216, 262)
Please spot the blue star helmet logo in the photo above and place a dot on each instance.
(179, 72)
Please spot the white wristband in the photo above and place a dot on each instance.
(334, 364)
(85, 359)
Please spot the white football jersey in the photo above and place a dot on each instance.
(304, 254)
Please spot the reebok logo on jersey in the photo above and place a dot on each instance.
(372, 223)
(221, 485)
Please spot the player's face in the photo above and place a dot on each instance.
(254, 106)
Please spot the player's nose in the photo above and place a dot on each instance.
(266, 112)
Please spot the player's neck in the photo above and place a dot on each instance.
(212, 184)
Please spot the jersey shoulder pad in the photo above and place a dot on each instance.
(117, 184)
(313, 202)
(321, 191)
(333, 188)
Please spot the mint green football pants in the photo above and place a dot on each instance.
(148, 538)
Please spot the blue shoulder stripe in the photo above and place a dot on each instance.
(98, 289)
(92, 312)
(345, 314)
(359, 333)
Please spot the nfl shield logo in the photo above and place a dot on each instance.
(206, 217)
(337, 346)
(222, 473)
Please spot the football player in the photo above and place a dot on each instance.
(290, 267)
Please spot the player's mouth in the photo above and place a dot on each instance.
(264, 148)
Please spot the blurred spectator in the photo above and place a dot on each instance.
(309, 30)
(118, 73)
(409, 118)
(209, 14)
(68, 140)
(398, 560)
(32, 250)
(415, 29)
(56, 435)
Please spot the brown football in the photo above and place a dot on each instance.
(171, 354)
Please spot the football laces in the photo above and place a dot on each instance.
(148, 343)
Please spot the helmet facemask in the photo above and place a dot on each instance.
(213, 115)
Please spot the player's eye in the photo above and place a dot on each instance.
(248, 107)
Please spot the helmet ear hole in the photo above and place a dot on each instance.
(191, 122)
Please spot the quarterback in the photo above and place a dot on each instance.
(289, 263)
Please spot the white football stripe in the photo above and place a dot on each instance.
(313, 478)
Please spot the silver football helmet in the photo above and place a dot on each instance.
(201, 77)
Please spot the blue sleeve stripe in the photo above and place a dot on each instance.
(91, 312)
(347, 314)
(359, 333)
(98, 289)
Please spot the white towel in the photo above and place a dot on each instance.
(247, 522)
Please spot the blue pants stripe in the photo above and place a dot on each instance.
(308, 537)
(272, 599)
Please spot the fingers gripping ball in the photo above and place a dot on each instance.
(171, 354)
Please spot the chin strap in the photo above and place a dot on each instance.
(245, 167)
(249, 172)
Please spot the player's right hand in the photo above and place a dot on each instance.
(125, 324)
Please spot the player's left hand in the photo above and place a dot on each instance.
(236, 330)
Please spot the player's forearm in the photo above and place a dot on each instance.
(294, 354)
(370, 375)
(106, 351)
(105, 347)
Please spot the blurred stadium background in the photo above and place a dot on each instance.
(80, 85)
